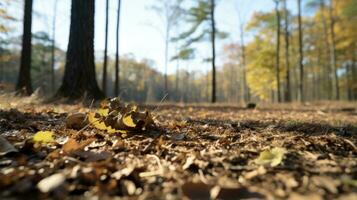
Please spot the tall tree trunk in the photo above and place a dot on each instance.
(213, 42)
(53, 48)
(167, 38)
(277, 58)
(246, 92)
(301, 57)
(117, 77)
(333, 51)
(24, 81)
(79, 76)
(105, 63)
(329, 67)
(287, 59)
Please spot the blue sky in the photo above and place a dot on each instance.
(137, 35)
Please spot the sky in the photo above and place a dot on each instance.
(139, 27)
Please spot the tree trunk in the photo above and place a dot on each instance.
(277, 58)
(246, 92)
(105, 63)
(24, 81)
(287, 61)
(79, 76)
(117, 76)
(301, 57)
(167, 38)
(213, 38)
(53, 48)
(333, 52)
(327, 46)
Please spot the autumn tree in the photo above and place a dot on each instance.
(277, 56)
(170, 12)
(301, 56)
(287, 93)
(23, 85)
(79, 77)
(201, 17)
(53, 46)
(117, 79)
(104, 79)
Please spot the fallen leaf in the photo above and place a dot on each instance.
(76, 121)
(52, 182)
(6, 147)
(272, 157)
(43, 137)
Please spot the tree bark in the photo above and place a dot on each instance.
(333, 51)
(79, 76)
(213, 42)
(53, 48)
(24, 81)
(105, 63)
(327, 47)
(277, 58)
(301, 57)
(117, 75)
(287, 55)
(246, 92)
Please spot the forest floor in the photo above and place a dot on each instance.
(197, 152)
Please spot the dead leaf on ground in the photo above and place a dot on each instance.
(272, 157)
(6, 147)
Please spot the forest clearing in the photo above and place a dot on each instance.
(194, 152)
(178, 99)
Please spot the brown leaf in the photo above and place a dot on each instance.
(6, 147)
(76, 121)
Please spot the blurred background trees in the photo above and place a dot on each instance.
(278, 55)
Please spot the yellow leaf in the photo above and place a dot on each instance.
(43, 137)
(128, 121)
(103, 112)
(98, 124)
(272, 157)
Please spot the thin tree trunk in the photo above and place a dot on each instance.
(333, 51)
(246, 92)
(79, 76)
(117, 77)
(349, 81)
(277, 58)
(53, 48)
(167, 38)
(104, 79)
(24, 81)
(287, 55)
(213, 38)
(301, 57)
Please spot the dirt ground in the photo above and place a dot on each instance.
(195, 152)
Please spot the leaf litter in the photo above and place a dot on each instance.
(194, 152)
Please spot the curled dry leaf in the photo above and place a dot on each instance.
(115, 117)
(76, 121)
(6, 147)
(272, 157)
